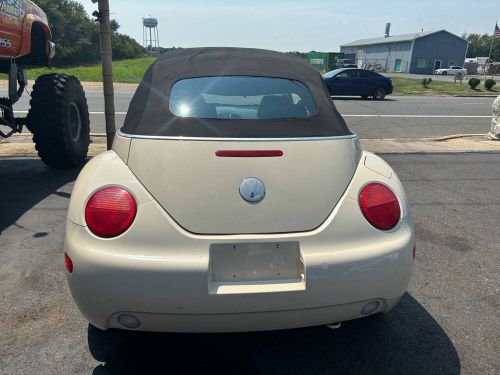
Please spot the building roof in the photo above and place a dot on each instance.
(393, 39)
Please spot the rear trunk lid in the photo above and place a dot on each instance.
(201, 191)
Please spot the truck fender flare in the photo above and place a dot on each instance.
(28, 22)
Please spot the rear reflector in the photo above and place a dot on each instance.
(370, 308)
(68, 263)
(110, 212)
(249, 153)
(380, 206)
(129, 321)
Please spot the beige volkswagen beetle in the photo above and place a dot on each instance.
(235, 199)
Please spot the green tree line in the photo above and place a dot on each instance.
(480, 46)
(76, 35)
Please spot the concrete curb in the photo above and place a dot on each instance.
(429, 145)
(474, 96)
(15, 150)
(86, 85)
(454, 136)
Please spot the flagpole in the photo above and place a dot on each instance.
(491, 49)
(491, 46)
(489, 57)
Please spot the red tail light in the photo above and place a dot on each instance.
(68, 263)
(110, 212)
(380, 206)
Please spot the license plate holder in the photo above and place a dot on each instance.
(255, 267)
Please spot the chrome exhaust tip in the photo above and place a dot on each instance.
(336, 325)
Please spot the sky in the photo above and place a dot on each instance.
(293, 25)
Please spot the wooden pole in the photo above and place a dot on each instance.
(107, 70)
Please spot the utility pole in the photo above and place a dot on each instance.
(107, 68)
(487, 68)
(493, 37)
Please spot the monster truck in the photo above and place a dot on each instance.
(58, 116)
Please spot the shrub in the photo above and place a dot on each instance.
(473, 83)
(489, 83)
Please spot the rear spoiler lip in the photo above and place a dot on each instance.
(284, 139)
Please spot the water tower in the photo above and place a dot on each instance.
(150, 35)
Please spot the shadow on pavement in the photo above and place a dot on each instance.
(26, 182)
(406, 341)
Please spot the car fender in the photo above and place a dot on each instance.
(106, 169)
(372, 168)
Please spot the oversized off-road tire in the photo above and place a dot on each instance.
(59, 120)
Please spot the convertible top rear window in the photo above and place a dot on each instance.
(232, 93)
(241, 97)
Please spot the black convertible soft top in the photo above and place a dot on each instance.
(149, 112)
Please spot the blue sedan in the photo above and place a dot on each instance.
(357, 82)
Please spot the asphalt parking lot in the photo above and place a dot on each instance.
(447, 323)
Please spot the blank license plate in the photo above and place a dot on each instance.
(248, 262)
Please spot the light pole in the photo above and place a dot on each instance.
(107, 68)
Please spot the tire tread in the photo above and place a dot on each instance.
(47, 120)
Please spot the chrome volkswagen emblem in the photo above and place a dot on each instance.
(252, 190)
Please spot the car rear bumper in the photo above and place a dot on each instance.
(178, 281)
(255, 321)
(175, 293)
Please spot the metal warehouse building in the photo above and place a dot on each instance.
(417, 53)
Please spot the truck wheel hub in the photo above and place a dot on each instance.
(75, 122)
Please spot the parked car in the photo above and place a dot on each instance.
(357, 82)
(350, 66)
(452, 70)
(235, 198)
(343, 62)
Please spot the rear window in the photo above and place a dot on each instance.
(332, 73)
(241, 97)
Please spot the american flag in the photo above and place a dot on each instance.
(496, 34)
